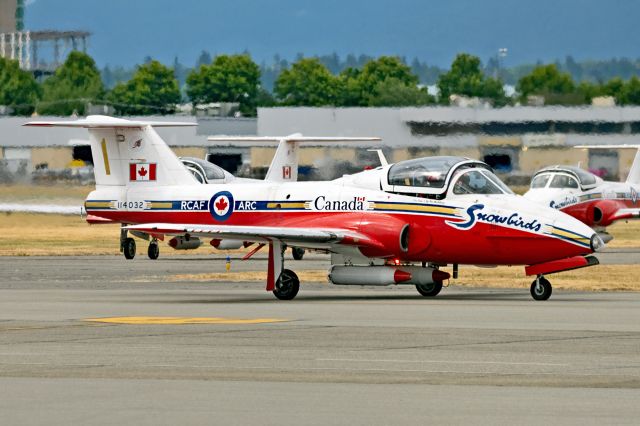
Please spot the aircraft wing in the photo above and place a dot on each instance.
(623, 214)
(300, 236)
(41, 208)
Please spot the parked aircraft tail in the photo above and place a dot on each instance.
(634, 172)
(127, 152)
(284, 165)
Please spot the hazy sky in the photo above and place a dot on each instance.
(124, 32)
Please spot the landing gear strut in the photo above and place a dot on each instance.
(541, 288)
(154, 249)
(287, 286)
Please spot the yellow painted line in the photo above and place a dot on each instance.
(105, 157)
(571, 235)
(184, 320)
(411, 207)
(98, 204)
(285, 205)
(160, 205)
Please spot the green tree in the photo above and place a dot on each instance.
(394, 92)
(350, 92)
(493, 89)
(467, 79)
(230, 78)
(614, 87)
(76, 83)
(153, 89)
(464, 78)
(631, 92)
(588, 91)
(546, 80)
(307, 83)
(18, 88)
(385, 81)
(384, 68)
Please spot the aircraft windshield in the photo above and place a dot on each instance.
(563, 181)
(211, 171)
(479, 182)
(422, 172)
(584, 178)
(540, 181)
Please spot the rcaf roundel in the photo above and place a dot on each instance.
(221, 205)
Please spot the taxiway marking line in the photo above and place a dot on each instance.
(183, 320)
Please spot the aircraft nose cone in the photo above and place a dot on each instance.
(597, 244)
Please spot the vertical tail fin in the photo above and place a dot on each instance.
(129, 152)
(634, 172)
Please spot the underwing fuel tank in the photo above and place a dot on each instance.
(385, 275)
(226, 244)
(182, 243)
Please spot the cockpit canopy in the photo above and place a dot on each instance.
(204, 171)
(563, 177)
(432, 176)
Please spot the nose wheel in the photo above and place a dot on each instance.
(541, 288)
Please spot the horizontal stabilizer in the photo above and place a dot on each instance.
(624, 146)
(291, 138)
(105, 122)
(41, 208)
(284, 165)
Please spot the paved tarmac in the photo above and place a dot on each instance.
(334, 355)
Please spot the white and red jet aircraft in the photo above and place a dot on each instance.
(587, 197)
(376, 224)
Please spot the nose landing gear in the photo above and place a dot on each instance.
(541, 288)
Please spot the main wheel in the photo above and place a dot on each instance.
(129, 248)
(153, 251)
(429, 290)
(541, 289)
(287, 286)
(297, 252)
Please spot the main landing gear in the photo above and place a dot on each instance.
(429, 290)
(154, 249)
(128, 246)
(541, 288)
(287, 286)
